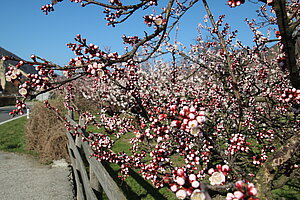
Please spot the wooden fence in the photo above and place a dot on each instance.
(91, 178)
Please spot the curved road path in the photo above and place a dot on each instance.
(23, 178)
(4, 112)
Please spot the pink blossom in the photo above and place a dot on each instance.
(195, 184)
(192, 177)
(192, 109)
(181, 194)
(252, 191)
(238, 194)
(193, 124)
(201, 119)
(225, 168)
(239, 184)
(192, 116)
(180, 181)
(23, 91)
(211, 171)
(217, 178)
(180, 172)
(229, 196)
(174, 187)
(198, 195)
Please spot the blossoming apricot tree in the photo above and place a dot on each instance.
(220, 119)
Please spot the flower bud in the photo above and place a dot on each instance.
(180, 181)
(238, 194)
(180, 172)
(239, 185)
(195, 184)
(192, 177)
(252, 191)
(174, 187)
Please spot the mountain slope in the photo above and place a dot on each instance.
(25, 68)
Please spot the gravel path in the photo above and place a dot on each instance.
(23, 178)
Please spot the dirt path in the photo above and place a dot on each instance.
(23, 178)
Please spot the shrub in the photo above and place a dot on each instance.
(45, 133)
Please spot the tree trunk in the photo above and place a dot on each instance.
(265, 177)
(286, 31)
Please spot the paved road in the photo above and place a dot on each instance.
(4, 112)
(23, 178)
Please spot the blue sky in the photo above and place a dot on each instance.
(26, 30)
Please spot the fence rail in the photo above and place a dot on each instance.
(91, 183)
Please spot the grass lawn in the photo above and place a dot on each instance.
(12, 136)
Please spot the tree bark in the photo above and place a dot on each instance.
(289, 43)
(265, 177)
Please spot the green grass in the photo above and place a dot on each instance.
(288, 191)
(12, 136)
(135, 187)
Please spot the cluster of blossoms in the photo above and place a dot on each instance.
(132, 40)
(96, 69)
(39, 81)
(115, 2)
(291, 95)
(34, 83)
(87, 53)
(153, 2)
(154, 20)
(20, 107)
(260, 159)
(186, 185)
(245, 191)
(84, 48)
(234, 3)
(101, 141)
(191, 121)
(238, 143)
(12, 74)
(112, 17)
(76, 1)
(118, 125)
(47, 8)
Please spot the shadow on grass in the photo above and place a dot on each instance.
(129, 193)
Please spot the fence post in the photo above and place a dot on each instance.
(71, 114)
(78, 139)
(94, 183)
(28, 113)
